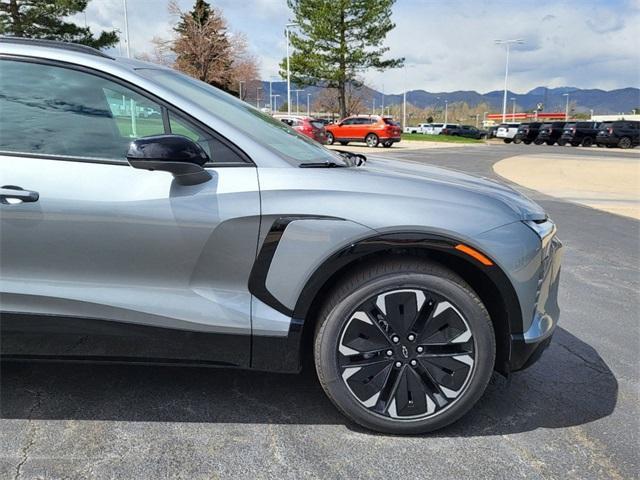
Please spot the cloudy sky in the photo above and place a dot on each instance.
(447, 45)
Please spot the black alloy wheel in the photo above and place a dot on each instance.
(406, 353)
(404, 346)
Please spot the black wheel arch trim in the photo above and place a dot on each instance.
(268, 352)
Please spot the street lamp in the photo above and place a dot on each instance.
(297, 90)
(566, 109)
(446, 110)
(286, 30)
(508, 44)
(404, 99)
(275, 102)
(513, 110)
(258, 96)
(240, 82)
(126, 28)
(308, 105)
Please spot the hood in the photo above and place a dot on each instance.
(521, 205)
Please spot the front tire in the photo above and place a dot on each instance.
(404, 347)
(372, 140)
(387, 144)
(508, 140)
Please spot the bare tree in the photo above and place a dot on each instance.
(328, 100)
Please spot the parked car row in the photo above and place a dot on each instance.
(453, 129)
(622, 133)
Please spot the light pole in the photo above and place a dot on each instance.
(297, 90)
(275, 103)
(270, 96)
(508, 44)
(591, 117)
(404, 100)
(126, 28)
(240, 82)
(258, 96)
(566, 109)
(286, 30)
(484, 118)
(308, 105)
(446, 110)
(513, 110)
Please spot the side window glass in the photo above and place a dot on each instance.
(58, 111)
(218, 151)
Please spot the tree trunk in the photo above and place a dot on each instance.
(14, 13)
(342, 99)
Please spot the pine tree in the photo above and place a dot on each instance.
(45, 19)
(337, 39)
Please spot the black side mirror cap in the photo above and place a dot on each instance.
(177, 154)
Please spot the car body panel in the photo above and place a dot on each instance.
(128, 260)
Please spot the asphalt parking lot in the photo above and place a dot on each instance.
(574, 414)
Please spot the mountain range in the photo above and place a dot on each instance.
(553, 99)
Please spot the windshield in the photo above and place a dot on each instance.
(264, 129)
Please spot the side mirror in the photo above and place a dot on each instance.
(170, 153)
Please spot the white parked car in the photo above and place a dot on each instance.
(436, 128)
(420, 128)
(507, 131)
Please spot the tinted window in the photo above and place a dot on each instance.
(349, 121)
(58, 111)
(261, 128)
(388, 121)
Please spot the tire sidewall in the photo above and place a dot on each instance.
(330, 138)
(373, 144)
(474, 313)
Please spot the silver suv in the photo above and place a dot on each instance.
(149, 217)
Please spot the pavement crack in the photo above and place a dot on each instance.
(31, 436)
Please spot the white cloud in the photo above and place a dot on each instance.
(587, 44)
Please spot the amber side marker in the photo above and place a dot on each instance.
(474, 253)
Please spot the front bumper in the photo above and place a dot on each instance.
(527, 347)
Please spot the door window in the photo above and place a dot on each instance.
(58, 111)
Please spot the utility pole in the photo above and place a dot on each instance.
(566, 110)
(126, 28)
(286, 30)
(513, 110)
(297, 90)
(258, 96)
(508, 44)
(240, 82)
(446, 110)
(270, 95)
(308, 105)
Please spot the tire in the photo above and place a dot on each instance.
(574, 144)
(365, 394)
(508, 140)
(625, 142)
(527, 142)
(343, 143)
(550, 142)
(387, 144)
(538, 142)
(372, 140)
(587, 141)
(330, 138)
(562, 143)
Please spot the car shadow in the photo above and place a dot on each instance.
(570, 385)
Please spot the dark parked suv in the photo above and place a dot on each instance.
(549, 133)
(579, 133)
(623, 134)
(527, 133)
(464, 131)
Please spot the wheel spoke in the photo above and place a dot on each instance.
(448, 372)
(448, 350)
(445, 326)
(366, 382)
(387, 391)
(363, 359)
(423, 317)
(400, 309)
(361, 335)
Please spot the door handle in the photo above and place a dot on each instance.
(11, 192)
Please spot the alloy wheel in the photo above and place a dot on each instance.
(406, 354)
(372, 140)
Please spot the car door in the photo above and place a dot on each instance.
(100, 259)
(346, 128)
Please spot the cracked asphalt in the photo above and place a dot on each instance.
(574, 414)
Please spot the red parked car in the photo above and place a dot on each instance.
(308, 126)
(371, 129)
